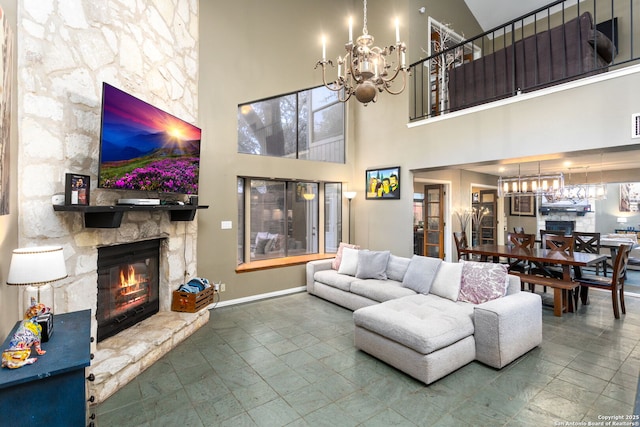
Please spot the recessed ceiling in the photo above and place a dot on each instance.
(568, 163)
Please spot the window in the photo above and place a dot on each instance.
(279, 218)
(303, 125)
(332, 216)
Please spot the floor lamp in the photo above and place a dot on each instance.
(349, 195)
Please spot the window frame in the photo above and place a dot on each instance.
(310, 126)
(244, 245)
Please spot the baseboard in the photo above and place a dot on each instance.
(258, 297)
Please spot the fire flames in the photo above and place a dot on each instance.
(130, 282)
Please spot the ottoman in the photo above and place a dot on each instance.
(425, 336)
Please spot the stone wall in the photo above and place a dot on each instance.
(66, 50)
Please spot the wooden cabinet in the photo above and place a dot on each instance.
(52, 391)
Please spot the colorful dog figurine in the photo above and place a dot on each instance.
(28, 334)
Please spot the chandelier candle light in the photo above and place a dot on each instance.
(364, 70)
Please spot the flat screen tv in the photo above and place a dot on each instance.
(144, 148)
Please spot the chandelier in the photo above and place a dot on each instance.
(364, 71)
(584, 191)
(521, 185)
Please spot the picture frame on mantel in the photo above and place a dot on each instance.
(76, 189)
(524, 205)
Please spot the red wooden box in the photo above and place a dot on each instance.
(188, 302)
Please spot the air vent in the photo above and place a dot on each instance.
(635, 126)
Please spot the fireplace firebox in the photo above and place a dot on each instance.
(564, 227)
(128, 285)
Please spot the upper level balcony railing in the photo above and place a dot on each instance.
(563, 41)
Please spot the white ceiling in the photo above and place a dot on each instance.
(492, 13)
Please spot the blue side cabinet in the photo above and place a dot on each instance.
(52, 391)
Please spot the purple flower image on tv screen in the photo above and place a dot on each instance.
(145, 148)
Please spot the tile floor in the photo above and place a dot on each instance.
(291, 361)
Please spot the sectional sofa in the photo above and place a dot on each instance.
(562, 53)
(428, 317)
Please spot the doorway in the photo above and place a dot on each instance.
(434, 207)
(484, 204)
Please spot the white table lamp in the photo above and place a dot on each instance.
(36, 268)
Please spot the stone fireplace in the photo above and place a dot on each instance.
(128, 285)
(566, 220)
(564, 227)
(59, 80)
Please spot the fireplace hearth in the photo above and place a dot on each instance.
(128, 285)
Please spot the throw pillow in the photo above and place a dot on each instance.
(397, 267)
(261, 244)
(447, 281)
(372, 264)
(482, 281)
(603, 45)
(335, 264)
(420, 273)
(349, 262)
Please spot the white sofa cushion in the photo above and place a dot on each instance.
(349, 263)
(420, 273)
(397, 267)
(447, 281)
(372, 264)
(424, 323)
(334, 279)
(335, 264)
(379, 290)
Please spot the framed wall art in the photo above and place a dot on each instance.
(523, 205)
(630, 197)
(76, 189)
(383, 183)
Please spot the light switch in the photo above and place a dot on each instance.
(226, 225)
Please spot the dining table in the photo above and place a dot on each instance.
(542, 259)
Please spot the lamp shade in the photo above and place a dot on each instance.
(621, 220)
(350, 194)
(36, 266)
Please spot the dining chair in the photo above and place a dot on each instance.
(559, 243)
(544, 233)
(614, 284)
(460, 237)
(524, 241)
(590, 243)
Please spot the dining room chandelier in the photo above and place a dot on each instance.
(584, 190)
(364, 70)
(522, 185)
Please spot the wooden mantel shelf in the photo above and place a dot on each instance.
(111, 216)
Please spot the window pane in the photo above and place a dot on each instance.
(240, 220)
(303, 230)
(326, 130)
(268, 236)
(269, 127)
(332, 216)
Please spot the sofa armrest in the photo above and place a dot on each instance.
(515, 284)
(508, 327)
(312, 267)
